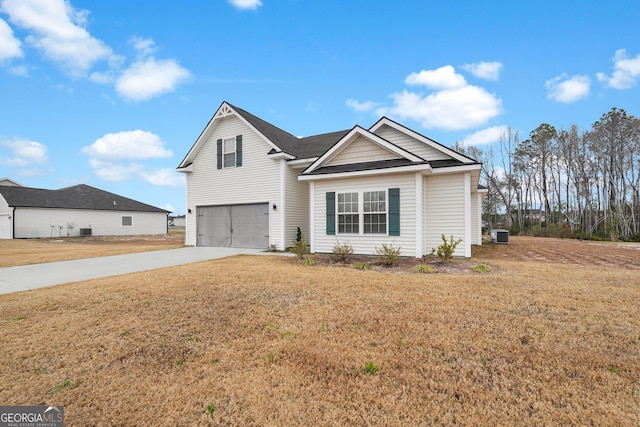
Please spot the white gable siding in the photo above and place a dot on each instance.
(410, 144)
(256, 181)
(36, 222)
(361, 150)
(297, 194)
(366, 244)
(445, 204)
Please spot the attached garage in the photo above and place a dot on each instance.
(233, 226)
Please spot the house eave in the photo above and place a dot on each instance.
(281, 155)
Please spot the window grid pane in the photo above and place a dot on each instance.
(348, 218)
(375, 216)
(229, 151)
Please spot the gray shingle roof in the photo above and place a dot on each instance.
(77, 197)
(301, 148)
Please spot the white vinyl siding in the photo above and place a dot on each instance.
(257, 181)
(445, 214)
(297, 195)
(366, 243)
(36, 222)
(476, 237)
(359, 151)
(410, 144)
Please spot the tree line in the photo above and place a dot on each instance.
(566, 182)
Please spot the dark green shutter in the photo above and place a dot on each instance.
(219, 153)
(239, 150)
(331, 213)
(394, 212)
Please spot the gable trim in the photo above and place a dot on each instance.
(350, 137)
(225, 110)
(428, 141)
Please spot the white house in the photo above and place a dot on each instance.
(251, 184)
(79, 210)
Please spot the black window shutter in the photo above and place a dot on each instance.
(239, 150)
(331, 213)
(394, 212)
(219, 153)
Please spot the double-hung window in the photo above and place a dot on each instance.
(375, 212)
(368, 208)
(229, 152)
(348, 216)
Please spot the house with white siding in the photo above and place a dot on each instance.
(79, 210)
(252, 184)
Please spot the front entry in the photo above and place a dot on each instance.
(233, 226)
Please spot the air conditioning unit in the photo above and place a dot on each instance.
(500, 236)
(85, 232)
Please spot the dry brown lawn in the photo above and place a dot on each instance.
(266, 341)
(34, 251)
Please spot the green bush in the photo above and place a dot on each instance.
(445, 251)
(299, 246)
(370, 367)
(342, 252)
(308, 261)
(482, 268)
(362, 266)
(388, 254)
(424, 268)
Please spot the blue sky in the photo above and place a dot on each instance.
(114, 93)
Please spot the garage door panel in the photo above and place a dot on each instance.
(250, 226)
(237, 226)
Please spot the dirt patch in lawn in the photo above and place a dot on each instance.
(563, 251)
(264, 341)
(34, 251)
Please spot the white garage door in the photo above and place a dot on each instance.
(234, 226)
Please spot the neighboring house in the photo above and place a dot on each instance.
(251, 184)
(177, 222)
(80, 210)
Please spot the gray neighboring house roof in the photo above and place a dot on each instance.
(76, 197)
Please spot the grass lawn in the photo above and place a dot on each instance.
(267, 341)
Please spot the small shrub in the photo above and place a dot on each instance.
(299, 246)
(388, 254)
(370, 367)
(211, 408)
(299, 235)
(308, 261)
(342, 252)
(362, 266)
(424, 268)
(482, 268)
(445, 251)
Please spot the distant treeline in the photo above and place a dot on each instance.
(566, 183)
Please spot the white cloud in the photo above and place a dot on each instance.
(456, 109)
(21, 152)
(143, 46)
(246, 4)
(19, 70)
(163, 177)
(136, 144)
(148, 78)
(114, 172)
(9, 45)
(567, 89)
(626, 71)
(168, 207)
(59, 32)
(361, 106)
(485, 136)
(484, 70)
(440, 78)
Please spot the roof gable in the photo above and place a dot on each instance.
(384, 150)
(76, 197)
(433, 146)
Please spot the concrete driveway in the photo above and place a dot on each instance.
(27, 277)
